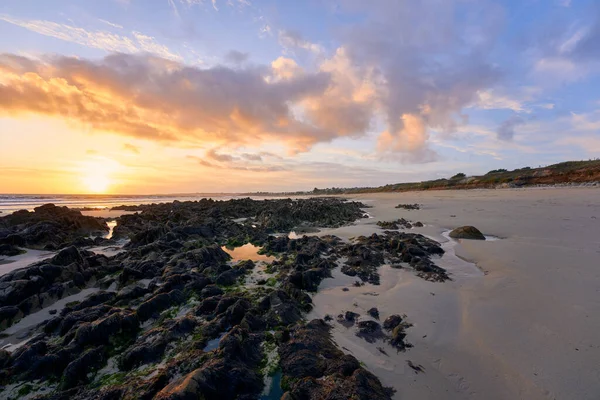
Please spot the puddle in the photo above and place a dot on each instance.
(247, 252)
(274, 391)
(214, 343)
(111, 227)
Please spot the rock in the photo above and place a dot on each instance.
(369, 330)
(9, 250)
(246, 264)
(130, 292)
(319, 370)
(95, 299)
(100, 331)
(392, 321)
(373, 312)
(467, 232)
(67, 256)
(215, 380)
(409, 206)
(211, 290)
(229, 278)
(158, 303)
(144, 353)
(9, 315)
(30, 305)
(78, 369)
(398, 335)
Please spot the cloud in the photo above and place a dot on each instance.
(213, 155)
(227, 163)
(291, 39)
(567, 52)
(102, 40)
(410, 140)
(373, 83)
(251, 157)
(417, 74)
(131, 148)
(236, 57)
(506, 130)
(489, 100)
(110, 23)
(157, 99)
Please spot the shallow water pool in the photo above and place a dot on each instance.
(247, 252)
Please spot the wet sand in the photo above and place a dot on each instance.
(520, 320)
(30, 256)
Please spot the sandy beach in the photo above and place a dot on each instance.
(520, 318)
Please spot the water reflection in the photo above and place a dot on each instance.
(247, 252)
(274, 392)
(111, 228)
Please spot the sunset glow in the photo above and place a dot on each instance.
(236, 97)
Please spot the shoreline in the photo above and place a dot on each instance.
(493, 328)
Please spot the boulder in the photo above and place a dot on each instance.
(467, 232)
(67, 256)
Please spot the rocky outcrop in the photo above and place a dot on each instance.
(48, 227)
(316, 369)
(170, 304)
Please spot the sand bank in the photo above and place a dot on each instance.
(520, 321)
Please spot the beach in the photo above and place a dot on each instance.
(520, 317)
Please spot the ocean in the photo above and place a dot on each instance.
(10, 203)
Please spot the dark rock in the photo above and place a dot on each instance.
(67, 256)
(78, 369)
(320, 370)
(373, 312)
(351, 316)
(159, 303)
(229, 278)
(9, 250)
(211, 290)
(409, 206)
(467, 232)
(9, 315)
(392, 321)
(369, 330)
(215, 380)
(398, 336)
(100, 331)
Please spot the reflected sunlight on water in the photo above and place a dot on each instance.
(247, 252)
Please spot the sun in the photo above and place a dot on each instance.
(97, 174)
(97, 183)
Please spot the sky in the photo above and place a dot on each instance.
(184, 96)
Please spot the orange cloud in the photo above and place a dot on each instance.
(158, 99)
